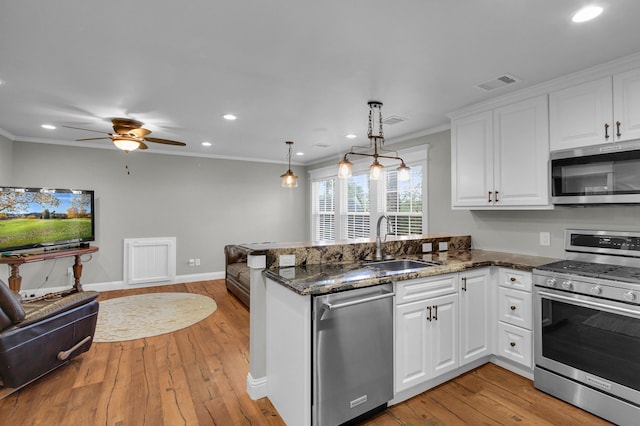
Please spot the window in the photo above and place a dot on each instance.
(358, 209)
(324, 225)
(343, 209)
(403, 201)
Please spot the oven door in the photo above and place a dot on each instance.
(589, 340)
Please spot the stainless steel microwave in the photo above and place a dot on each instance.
(600, 174)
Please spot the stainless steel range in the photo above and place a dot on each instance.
(587, 324)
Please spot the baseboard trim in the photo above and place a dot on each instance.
(256, 388)
(120, 285)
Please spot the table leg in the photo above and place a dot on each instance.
(15, 280)
(77, 273)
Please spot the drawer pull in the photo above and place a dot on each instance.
(512, 279)
(512, 344)
(513, 308)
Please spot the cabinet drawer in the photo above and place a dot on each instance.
(422, 288)
(515, 343)
(513, 278)
(515, 307)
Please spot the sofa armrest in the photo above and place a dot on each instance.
(234, 254)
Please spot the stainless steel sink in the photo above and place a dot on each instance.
(400, 265)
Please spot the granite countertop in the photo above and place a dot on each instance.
(331, 278)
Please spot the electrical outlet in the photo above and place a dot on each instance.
(427, 247)
(545, 239)
(69, 271)
(443, 246)
(197, 262)
(287, 260)
(192, 262)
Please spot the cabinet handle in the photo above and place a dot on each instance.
(606, 130)
(429, 317)
(464, 283)
(618, 134)
(512, 279)
(513, 308)
(497, 196)
(489, 197)
(435, 315)
(512, 344)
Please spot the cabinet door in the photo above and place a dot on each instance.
(578, 114)
(444, 338)
(475, 306)
(521, 153)
(412, 345)
(626, 105)
(472, 160)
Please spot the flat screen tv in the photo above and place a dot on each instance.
(32, 218)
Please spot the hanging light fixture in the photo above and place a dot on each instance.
(126, 143)
(289, 180)
(376, 141)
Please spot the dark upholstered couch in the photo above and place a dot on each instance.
(237, 273)
(40, 335)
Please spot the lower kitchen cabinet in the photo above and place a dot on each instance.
(475, 318)
(426, 339)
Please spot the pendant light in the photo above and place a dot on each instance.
(289, 180)
(376, 141)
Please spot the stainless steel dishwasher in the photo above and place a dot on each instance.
(352, 354)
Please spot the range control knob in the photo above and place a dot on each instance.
(551, 282)
(596, 289)
(629, 296)
(567, 285)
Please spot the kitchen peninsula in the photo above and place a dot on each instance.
(281, 312)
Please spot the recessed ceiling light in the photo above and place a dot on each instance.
(300, 153)
(206, 144)
(229, 117)
(350, 136)
(587, 13)
(48, 126)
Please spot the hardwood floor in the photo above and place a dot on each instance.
(197, 376)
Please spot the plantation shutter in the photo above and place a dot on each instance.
(403, 202)
(324, 226)
(356, 216)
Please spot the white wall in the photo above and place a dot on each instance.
(206, 203)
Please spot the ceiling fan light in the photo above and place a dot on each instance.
(126, 144)
(289, 180)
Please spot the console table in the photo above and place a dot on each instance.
(16, 260)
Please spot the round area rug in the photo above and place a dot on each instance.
(146, 315)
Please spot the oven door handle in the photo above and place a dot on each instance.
(589, 303)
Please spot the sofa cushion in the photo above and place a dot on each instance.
(240, 272)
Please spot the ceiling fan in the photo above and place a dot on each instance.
(128, 135)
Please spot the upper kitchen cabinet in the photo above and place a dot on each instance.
(597, 112)
(499, 158)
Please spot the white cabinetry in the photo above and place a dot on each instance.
(499, 157)
(475, 319)
(597, 112)
(515, 317)
(426, 329)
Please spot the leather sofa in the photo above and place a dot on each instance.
(40, 335)
(237, 273)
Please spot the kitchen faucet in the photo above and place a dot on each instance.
(378, 255)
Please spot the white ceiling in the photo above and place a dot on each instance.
(289, 69)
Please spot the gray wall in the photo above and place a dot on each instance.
(6, 161)
(514, 231)
(205, 203)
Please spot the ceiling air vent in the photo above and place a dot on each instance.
(496, 83)
(321, 145)
(394, 119)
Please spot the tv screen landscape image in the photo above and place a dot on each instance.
(43, 217)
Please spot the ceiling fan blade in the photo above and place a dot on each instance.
(88, 130)
(165, 141)
(126, 123)
(93, 139)
(140, 132)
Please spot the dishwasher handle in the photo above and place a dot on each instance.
(333, 307)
